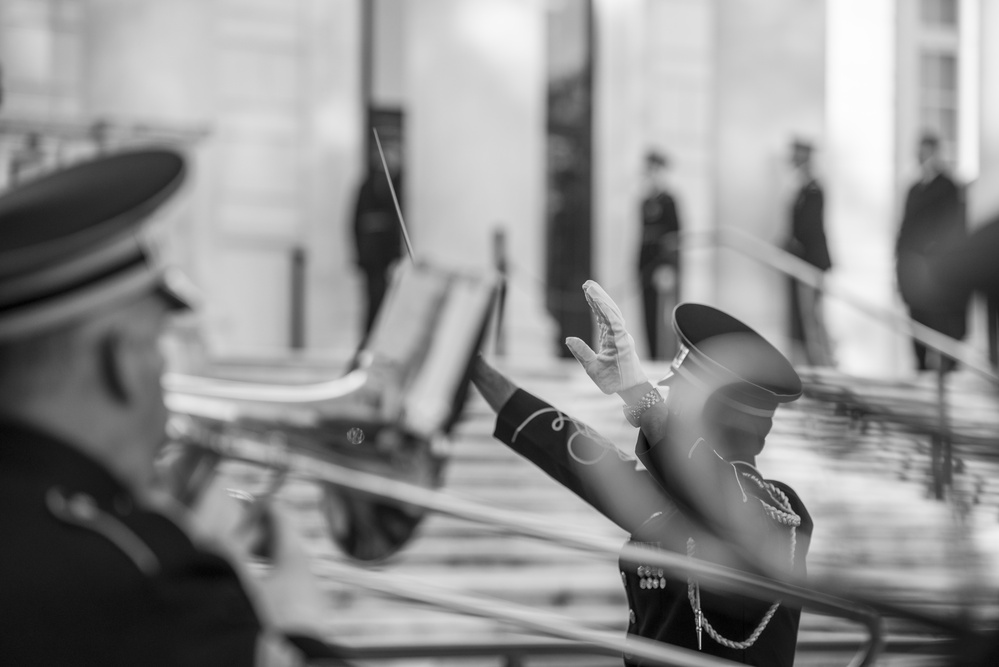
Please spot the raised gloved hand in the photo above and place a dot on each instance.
(615, 365)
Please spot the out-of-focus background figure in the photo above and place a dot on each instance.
(807, 240)
(659, 256)
(933, 219)
(377, 235)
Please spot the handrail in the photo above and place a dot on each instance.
(797, 268)
(830, 642)
(410, 588)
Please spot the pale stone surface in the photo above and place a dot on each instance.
(475, 147)
(861, 215)
(769, 87)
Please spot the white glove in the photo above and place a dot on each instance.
(615, 366)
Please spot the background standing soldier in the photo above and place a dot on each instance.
(659, 257)
(377, 236)
(807, 240)
(933, 220)
(699, 482)
(99, 568)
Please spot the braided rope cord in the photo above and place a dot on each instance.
(784, 515)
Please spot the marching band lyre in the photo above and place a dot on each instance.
(387, 416)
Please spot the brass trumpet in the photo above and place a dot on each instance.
(389, 416)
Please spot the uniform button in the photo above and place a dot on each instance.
(624, 578)
(631, 616)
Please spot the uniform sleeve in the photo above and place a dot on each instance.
(579, 458)
(816, 246)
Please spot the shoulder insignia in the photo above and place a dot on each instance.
(82, 510)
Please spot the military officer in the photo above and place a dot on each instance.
(698, 483)
(96, 571)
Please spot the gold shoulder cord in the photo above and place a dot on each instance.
(783, 515)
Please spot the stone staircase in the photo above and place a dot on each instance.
(877, 532)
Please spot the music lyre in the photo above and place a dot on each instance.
(395, 200)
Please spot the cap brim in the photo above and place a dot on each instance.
(78, 241)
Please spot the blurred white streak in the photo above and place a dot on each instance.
(969, 82)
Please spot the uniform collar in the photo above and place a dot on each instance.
(749, 469)
(30, 452)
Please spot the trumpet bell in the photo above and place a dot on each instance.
(390, 416)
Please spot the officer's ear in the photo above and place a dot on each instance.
(113, 365)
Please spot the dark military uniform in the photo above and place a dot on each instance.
(661, 607)
(808, 241)
(659, 246)
(377, 238)
(933, 221)
(91, 577)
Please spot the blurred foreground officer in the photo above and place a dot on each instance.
(969, 266)
(94, 571)
(699, 482)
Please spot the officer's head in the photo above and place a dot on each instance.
(656, 166)
(83, 302)
(726, 381)
(801, 153)
(929, 146)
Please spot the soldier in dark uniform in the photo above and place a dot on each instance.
(698, 483)
(807, 240)
(97, 569)
(377, 234)
(658, 255)
(933, 220)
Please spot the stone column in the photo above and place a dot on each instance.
(619, 143)
(475, 146)
(861, 218)
(983, 195)
(678, 90)
(979, 58)
(770, 84)
(332, 158)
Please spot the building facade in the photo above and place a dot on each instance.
(272, 100)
